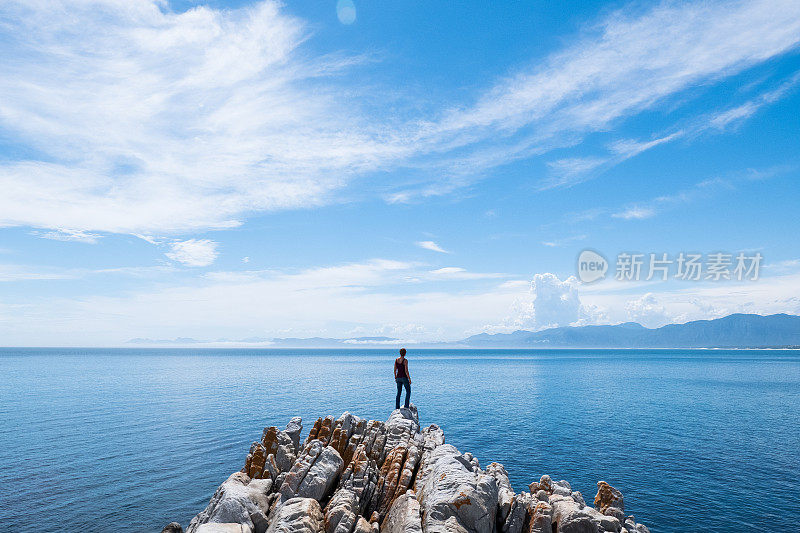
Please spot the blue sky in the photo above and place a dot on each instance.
(422, 171)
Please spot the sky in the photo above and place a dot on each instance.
(231, 171)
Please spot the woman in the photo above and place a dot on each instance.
(402, 377)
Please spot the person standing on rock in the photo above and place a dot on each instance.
(402, 377)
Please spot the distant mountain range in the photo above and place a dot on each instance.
(732, 331)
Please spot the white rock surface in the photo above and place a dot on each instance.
(238, 500)
(404, 515)
(453, 496)
(297, 515)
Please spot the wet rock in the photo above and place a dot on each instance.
(298, 515)
(238, 500)
(172, 527)
(404, 516)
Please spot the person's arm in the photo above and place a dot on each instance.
(395, 371)
(408, 374)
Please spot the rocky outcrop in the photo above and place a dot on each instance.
(240, 500)
(352, 475)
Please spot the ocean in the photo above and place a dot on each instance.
(131, 439)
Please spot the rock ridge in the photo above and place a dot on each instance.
(352, 475)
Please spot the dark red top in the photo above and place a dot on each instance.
(400, 368)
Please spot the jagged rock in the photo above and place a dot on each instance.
(515, 520)
(608, 497)
(295, 476)
(471, 458)
(361, 477)
(362, 526)
(404, 516)
(578, 498)
(275, 453)
(633, 527)
(397, 472)
(505, 494)
(541, 517)
(354, 441)
(568, 517)
(341, 512)
(293, 430)
(238, 500)
(401, 427)
(403, 478)
(452, 495)
(322, 476)
(545, 484)
(172, 527)
(297, 515)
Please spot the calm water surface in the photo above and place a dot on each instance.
(129, 440)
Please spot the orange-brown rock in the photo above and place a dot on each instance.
(607, 497)
(270, 439)
(545, 484)
(314, 431)
(541, 517)
(325, 430)
(254, 464)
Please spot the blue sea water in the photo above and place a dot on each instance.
(129, 440)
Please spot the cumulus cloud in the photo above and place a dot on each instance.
(550, 302)
(647, 311)
(193, 252)
(432, 246)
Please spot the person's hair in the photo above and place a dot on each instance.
(402, 351)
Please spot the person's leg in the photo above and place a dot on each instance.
(408, 391)
(399, 391)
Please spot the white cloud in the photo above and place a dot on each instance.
(549, 303)
(635, 213)
(69, 236)
(155, 122)
(193, 252)
(432, 246)
(458, 273)
(563, 242)
(335, 300)
(647, 311)
(150, 121)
